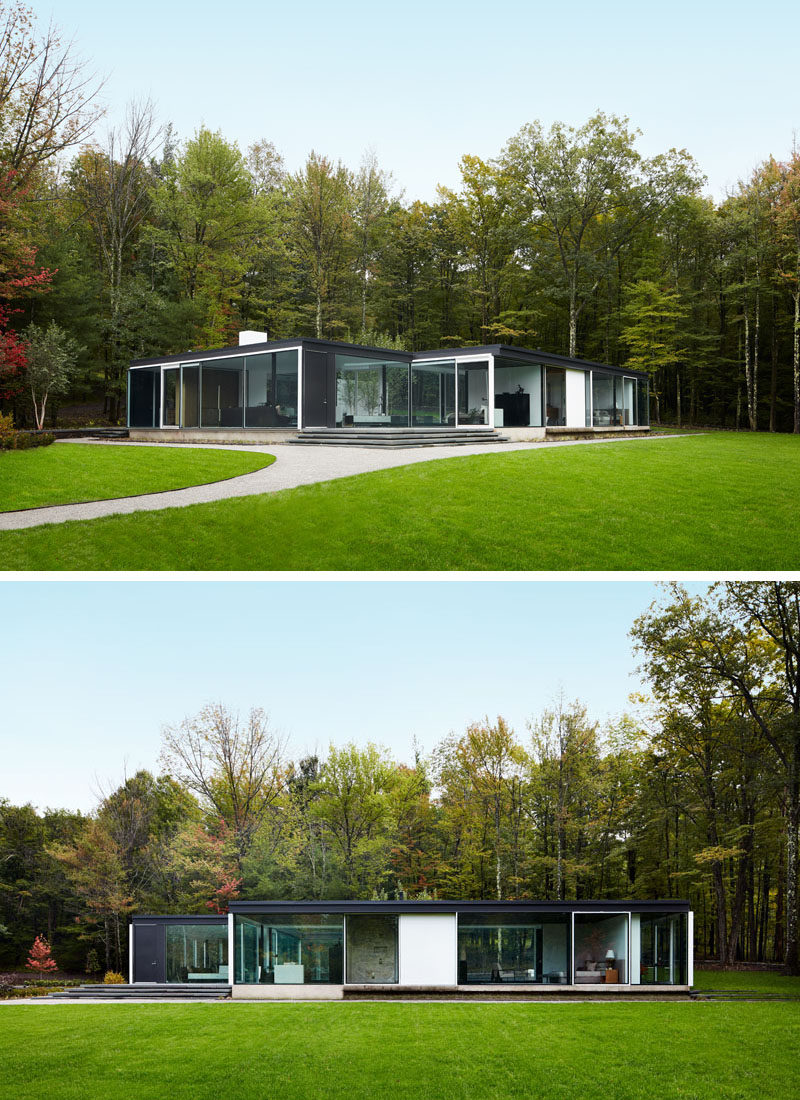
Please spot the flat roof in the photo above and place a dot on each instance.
(505, 351)
(428, 905)
(527, 905)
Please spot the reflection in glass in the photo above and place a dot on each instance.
(191, 397)
(371, 949)
(197, 953)
(556, 396)
(289, 950)
(663, 949)
(271, 390)
(223, 383)
(172, 405)
(144, 398)
(601, 948)
(603, 399)
(433, 394)
(371, 393)
(513, 947)
(473, 393)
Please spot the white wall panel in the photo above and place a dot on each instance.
(427, 947)
(576, 398)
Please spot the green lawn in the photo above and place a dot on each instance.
(708, 502)
(70, 472)
(193, 1052)
(737, 981)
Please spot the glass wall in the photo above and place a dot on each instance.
(271, 390)
(371, 393)
(197, 953)
(556, 396)
(172, 397)
(144, 398)
(604, 410)
(663, 949)
(371, 949)
(601, 948)
(222, 387)
(190, 410)
(473, 393)
(433, 394)
(513, 947)
(289, 950)
(517, 394)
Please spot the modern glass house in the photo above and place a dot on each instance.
(269, 390)
(332, 949)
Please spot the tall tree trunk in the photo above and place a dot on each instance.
(796, 359)
(773, 381)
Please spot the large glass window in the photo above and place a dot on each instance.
(556, 396)
(433, 394)
(663, 949)
(517, 394)
(299, 949)
(197, 953)
(271, 390)
(371, 949)
(144, 398)
(473, 393)
(604, 412)
(601, 948)
(513, 947)
(172, 397)
(223, 384)
(371, 393)
(191, 396)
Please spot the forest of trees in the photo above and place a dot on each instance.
(143, 243)
(696, 796)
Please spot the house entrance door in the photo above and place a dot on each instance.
(148, 953)
(319, 390)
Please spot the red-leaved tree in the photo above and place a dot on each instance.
(40, 958)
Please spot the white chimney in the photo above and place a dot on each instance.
(251, 337)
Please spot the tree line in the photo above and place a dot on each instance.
(569, 239)
(697, 796)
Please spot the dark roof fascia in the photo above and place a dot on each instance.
(437, 906)
(273, 345)
(527, 355)
(179, 918)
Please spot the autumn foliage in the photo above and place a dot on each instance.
(40, 958)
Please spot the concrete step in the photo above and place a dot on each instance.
(397, 437)
(146, 991)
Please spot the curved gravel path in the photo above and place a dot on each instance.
(294, 465)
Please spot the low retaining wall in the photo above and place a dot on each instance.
(212, 435)
(504, 991)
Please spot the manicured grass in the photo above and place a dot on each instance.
(705, 502)
(66, 473)
(754, 981)
(193, 1052)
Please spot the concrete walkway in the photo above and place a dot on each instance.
(294, 465)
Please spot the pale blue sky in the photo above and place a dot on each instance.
(91, 670)
(425, 82)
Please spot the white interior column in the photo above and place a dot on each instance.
(635, 967)
(575, 387)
